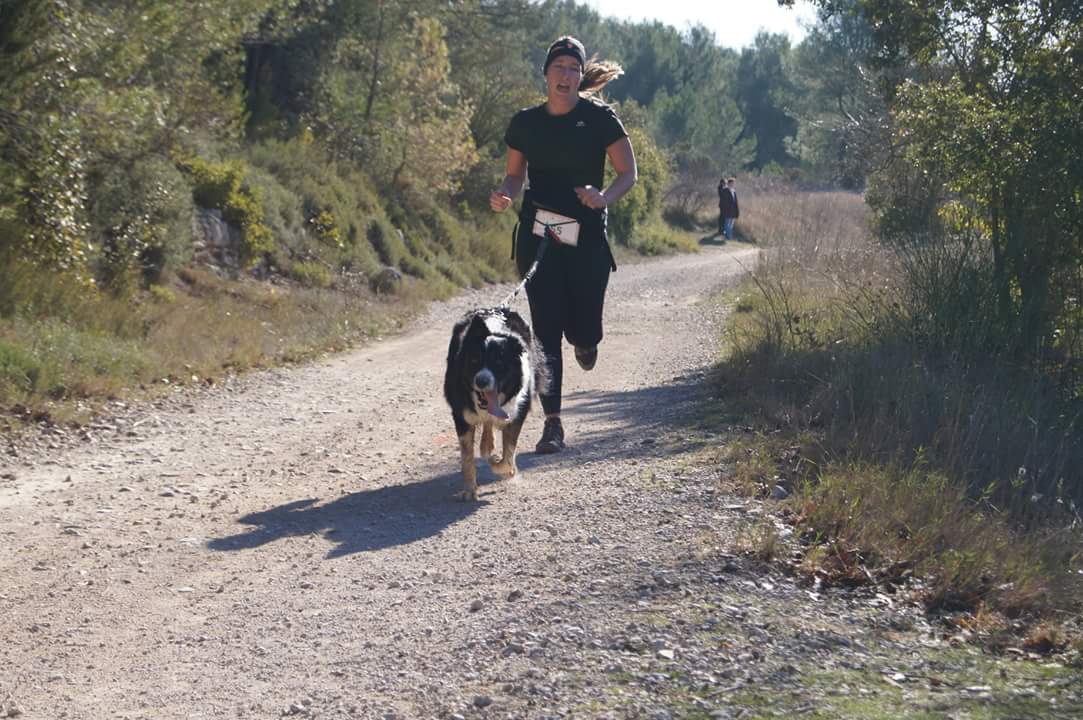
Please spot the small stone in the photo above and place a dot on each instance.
(483, 701)
(477, 605)
(514, 595)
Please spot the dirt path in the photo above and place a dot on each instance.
(288, 544)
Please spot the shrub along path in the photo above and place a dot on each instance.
(287, 544)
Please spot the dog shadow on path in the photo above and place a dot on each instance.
(630, 424)
(363, 521)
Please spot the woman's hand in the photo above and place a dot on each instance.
(499, 201)
(514, 178)
(592, 197)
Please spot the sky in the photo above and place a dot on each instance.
(734, 22)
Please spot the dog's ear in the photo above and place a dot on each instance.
(478, 328)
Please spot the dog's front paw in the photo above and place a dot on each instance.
(503, 469)
(468, 496)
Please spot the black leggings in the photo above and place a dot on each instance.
(566, 296)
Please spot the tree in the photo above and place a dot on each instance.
(96, 88)
(386, 100)
(989, 110)
(764, 94)
(843, 132)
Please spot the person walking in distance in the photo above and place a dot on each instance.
(728, 211)
(562, 146)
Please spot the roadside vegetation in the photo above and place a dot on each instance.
(909, 358)
(899, 463)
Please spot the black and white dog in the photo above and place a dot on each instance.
(493, 371)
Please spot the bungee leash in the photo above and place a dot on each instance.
(550, 236)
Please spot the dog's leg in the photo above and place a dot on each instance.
(506, 467)
(488, 444)
(470, 472)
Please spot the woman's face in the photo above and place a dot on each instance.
(562, 78)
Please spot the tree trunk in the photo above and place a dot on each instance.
(374, 82)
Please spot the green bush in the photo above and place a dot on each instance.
(387, 242)
(318, 207)
(141, 219)
(163, 294)
(225, 186)
(449, 269)
(19, 372)
(311, 274)
(417, 247)
(447, 232)
(416, 267)
(489, 258)
(326, 207)
(657, 238)
(644, 200)
(283, 211)
(31, 290)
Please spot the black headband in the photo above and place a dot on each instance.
(566, 46)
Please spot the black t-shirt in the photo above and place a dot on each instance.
(564, 152)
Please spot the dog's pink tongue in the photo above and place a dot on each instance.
(494, 407)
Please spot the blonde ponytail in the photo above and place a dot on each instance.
(597, 74)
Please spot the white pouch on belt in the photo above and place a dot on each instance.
(565, 229)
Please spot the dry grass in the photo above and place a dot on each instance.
(966, 555)
(759, 540)
(817, 224)
(194, 328)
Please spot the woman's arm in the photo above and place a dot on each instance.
(514, 178)
(624, 164)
